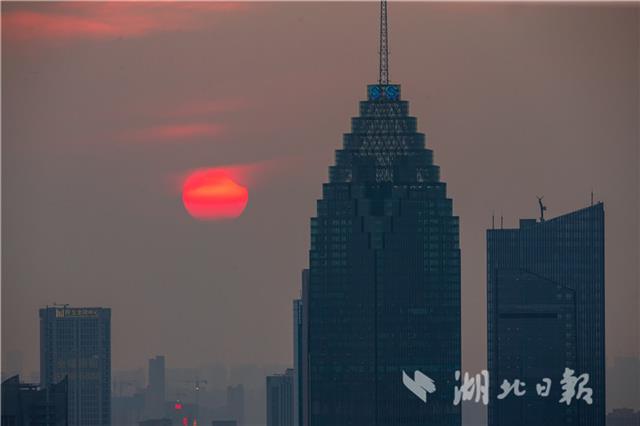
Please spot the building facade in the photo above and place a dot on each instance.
(545, 295)
(30, 405)
(76, 343)
(298, 353)
(156, 393)
(384, 277)
(280, 399)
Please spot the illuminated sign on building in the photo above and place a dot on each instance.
(75, 313)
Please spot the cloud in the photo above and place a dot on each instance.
(208, 107)
(192, 120)
(174, 132)
(104, 20)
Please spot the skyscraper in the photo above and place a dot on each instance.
(298, 355)
(76, 342)
(280, 399)
(26, 404)
(545, 295)
(384, 274)
(155, 395)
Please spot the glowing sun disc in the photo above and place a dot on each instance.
(212, 194)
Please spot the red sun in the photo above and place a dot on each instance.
(212, 194)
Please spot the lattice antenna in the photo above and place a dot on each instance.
(384, 45)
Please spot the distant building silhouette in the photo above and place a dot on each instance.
(304, 356)
(155, 422)
(298, 355)
(623, 383)
(127, 410)
(545, 295)
(280, 399)
(623, 417)
(156, 389)
(224, 423)
(29, 405)
(182, 413)
(76, 342)
(235, 403)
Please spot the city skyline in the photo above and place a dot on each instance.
(171, 266)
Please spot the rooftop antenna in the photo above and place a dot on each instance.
(542, 208)
(501, 221)
(493, 220)
(384, 45)
(592, 197)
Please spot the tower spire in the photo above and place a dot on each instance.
(384, 45)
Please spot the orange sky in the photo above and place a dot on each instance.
(107, 108)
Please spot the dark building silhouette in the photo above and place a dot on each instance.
(155, 394)
(623, 378)
(156, 422)
(280, 399)
(299, 354)
(304, 367)
(127, 410)
(384, 274)
(545, 294)
(623, 417)
(30, 405)
(224, 423)
(76, 343)
(182, 413)
(235, 403)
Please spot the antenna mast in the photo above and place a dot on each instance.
(542, 208)
(384, 45)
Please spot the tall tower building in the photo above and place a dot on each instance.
(545, 294)
(155, 395)
(76, 343)
(384, 274)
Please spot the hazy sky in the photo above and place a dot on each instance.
(107, 107)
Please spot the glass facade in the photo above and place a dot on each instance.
(280, 399)
(76, 343)
(384, 277)
(545, 294)
(297, 362)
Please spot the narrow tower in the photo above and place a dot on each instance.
(384, 274)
